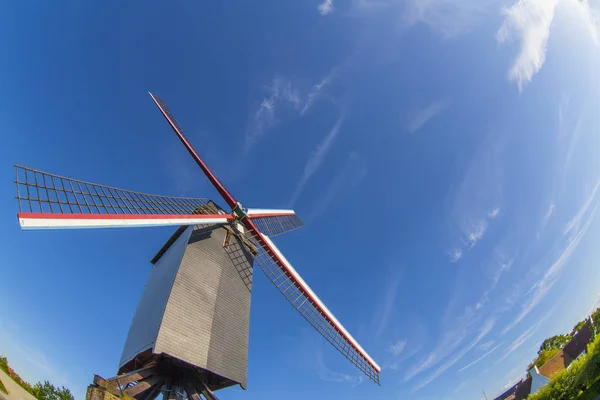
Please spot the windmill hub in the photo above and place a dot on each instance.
(239, 212)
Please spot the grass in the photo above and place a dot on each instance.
(3, 388)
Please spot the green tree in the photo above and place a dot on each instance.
(596, 321)
(47, 391)
(555, 342)
(548, 349)
(577, 327)
(4, 364)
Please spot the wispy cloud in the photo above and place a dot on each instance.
(576, 221)
(484, 330)
(549, 213)
(494, 213)
(481, 358)
(284, 100)
(477, 200)
(397, 348)
(315, 159)
(476, 231)
(486, 346)
(518, 342)
(281, 95)
(542, 287)
(504, 266)
(455, 255)
(328, 375)
(426, 115)
(456, 329)
(352, 175)
(326, 7)
(316, 92)
(387, 306)
(449, 18)
(528, 22)
(411, 343)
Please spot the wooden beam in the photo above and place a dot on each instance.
(206, 392)
(142, 386)
(153, 392)
(192, 392)
(136, 375)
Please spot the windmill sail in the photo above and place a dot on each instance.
(285, 278)
(53, 201)
(275, 222)
(278, 269)
(166, 112)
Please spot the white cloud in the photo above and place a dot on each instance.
(480, 358)
(315, 92)
(387, 307)
(518, 342)
(486, 346)
(575, 222)
(494, 213)
(426, 115)
(455, 328)
(344, 183)
(477, 200)
(416, 339)
(281, 94)
(484, 330)
(283, 101)
(476, 232)
(447, 17)
(455, 255)
(549, 213)
(542, 287)
(314, 161)
(504, 266)
(326, 7)
(329, 375)
(528, 22)
(397, 348)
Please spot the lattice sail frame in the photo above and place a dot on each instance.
(277, 225)
(53, 201)
(297, 292)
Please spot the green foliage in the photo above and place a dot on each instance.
(592, 392)
(555, 342)
(579, 381)
(577, 327)
(4, 364)
(596, 319)
(3, 388)
(41, 391)
(48, 391)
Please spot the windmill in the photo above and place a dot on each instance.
(189, 334)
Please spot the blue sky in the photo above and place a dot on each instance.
(444, 154)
